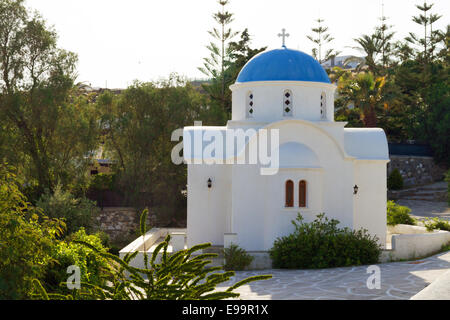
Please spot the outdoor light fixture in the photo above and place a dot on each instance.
(209, 183)
(355, 189)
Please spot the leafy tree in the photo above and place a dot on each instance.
(320, 38)
(138, 125)
(50, 128)
(26, 239)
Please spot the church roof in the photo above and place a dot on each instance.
(283, 65)
(366, 143)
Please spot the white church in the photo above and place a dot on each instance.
(322, 166)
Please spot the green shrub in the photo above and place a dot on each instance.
(397, 214)
(179, 276)
(236, 258)
(437, 224)
(395, 180)
(71, 253)
(76, 213)
(321, 244)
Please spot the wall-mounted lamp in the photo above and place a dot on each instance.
(355, 189)
(209, 183)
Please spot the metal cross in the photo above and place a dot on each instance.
(283, 35)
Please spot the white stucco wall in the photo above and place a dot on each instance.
(370, 201)
(208, 208)
(269, 97)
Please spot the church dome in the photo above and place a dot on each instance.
(283, 65)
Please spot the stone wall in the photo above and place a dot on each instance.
(121, 224)
(416, 170)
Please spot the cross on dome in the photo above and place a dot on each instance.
(283, 35)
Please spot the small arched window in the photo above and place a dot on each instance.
(323, 106)
(287, 103)
(250, 105)
(289, 194)
(302, 194)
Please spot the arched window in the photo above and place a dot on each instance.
(287, 103)
(289, 194)
(323, 106)
(250, 105)
(302, 194)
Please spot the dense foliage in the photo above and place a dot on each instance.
(75, 212)
(140, 125)
(322, 244)
(402, 87)
(236, 258)
(26, 239)
(184, 275)
(397, 214)
(71, 253)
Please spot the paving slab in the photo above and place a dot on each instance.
(399, 281)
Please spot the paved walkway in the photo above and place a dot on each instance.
(399, 281)
(426, 209)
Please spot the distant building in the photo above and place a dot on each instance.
(339, 62)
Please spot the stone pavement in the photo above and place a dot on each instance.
(426, 209)
(399, 281)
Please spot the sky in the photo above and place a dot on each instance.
(118, 41)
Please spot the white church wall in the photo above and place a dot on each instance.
(370, 201)
(278, 218)
(249, 203)
(208, 208)
(268, 98)
(259, 216)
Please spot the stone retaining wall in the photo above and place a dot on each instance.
(121, 223)
(416, 170)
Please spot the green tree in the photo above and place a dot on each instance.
(49, 126)
(214, 66)
(365, 92)
(139, 124)
(370, 45)
(26, 239)
(430, 36)
(385, 35)
(320, 38)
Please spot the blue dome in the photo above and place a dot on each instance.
(283, 65)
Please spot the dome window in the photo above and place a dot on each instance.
(250, 105)
(323, 106)
(287, 103)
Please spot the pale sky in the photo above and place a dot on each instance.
(118, 41)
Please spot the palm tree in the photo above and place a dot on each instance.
(365, 91)
(371, 46)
